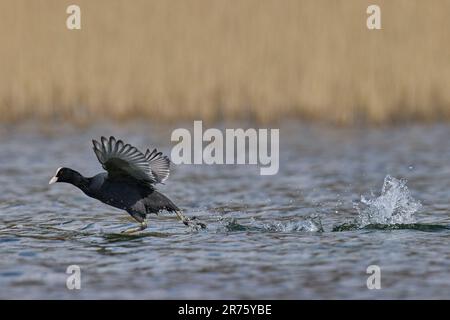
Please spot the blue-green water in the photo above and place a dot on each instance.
(303, 233)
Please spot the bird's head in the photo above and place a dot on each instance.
(64, 175)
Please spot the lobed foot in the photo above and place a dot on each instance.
(189, 222)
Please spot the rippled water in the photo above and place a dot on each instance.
(338, 205)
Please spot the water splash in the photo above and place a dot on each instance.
(395, 205)
(311, 224)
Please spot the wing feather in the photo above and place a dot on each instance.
(159, 165)
(121, 159)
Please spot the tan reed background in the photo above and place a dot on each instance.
(225, 59)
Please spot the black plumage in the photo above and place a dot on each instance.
(128, 182)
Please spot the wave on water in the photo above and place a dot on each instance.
(411, 226)
(311, 224)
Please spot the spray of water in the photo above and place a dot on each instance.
(309, 224)
(395, 205)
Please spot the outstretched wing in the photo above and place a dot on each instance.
(159, 165)
(121, 159)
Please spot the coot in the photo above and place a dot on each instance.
(128, 182)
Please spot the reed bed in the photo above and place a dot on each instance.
(264, 60)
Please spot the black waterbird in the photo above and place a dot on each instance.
(128, 182)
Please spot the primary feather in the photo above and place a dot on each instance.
(120, 159)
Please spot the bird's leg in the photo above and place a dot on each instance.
(189, 222)
(142, 226)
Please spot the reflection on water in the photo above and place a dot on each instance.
(294, 235)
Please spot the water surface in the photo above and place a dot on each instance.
(337, 205)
